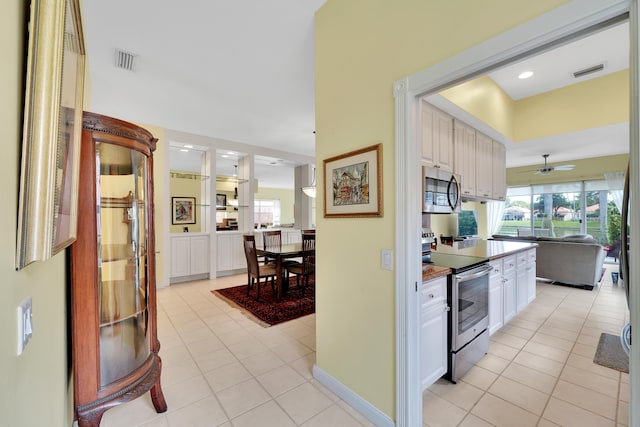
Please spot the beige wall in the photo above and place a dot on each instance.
(34, 387)
(362, 47)
(286, 198)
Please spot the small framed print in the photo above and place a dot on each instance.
(353, 184)
(221, 202)
(184, 210)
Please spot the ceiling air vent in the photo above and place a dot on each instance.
(589, 70)
(125, 60)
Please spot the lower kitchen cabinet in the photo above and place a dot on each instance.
(433, 331)
(189, 257)
(531, 275)
(510, 287)
(495, 296)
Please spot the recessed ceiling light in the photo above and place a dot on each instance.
(184, 150)
(525, 75)
(188, 146)
(231, 152)
(224, 156)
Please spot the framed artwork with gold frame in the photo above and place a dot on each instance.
(48, 201)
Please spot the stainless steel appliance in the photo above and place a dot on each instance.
(441, 191)
(428, 238)
(468, 297)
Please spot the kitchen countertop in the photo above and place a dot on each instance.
(491, 249)
(432, 271)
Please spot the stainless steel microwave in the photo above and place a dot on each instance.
(440, 191)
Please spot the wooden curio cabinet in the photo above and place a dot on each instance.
(115, 349)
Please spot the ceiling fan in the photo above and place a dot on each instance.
(547, 169)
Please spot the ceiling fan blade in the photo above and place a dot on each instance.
(564, 167)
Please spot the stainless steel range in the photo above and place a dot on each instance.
(468, 297)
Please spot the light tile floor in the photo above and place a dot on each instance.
(222, 369)
(539, 370)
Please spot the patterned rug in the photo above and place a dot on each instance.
(267, 311)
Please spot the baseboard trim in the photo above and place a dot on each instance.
(365, 408)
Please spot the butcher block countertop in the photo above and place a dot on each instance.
(491, 249)
(431, 271)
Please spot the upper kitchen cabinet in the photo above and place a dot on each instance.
(436, 131)
(499, 182)
(464, 138)
(484, 166)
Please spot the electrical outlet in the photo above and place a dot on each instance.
(25, 325)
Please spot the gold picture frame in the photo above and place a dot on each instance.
(48, 202)
(353, 184)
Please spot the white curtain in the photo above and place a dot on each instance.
(615, 181)
(495, 210)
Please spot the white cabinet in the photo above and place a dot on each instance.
(531, 275)
(189, 257)
(495, 296)
(484, 168)
(522, 281)
(433, 331)
(464, 159)
(499, 170)
(230, 254)
(510, 289)
(436, 132)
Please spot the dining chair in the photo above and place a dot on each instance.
(255, 271)
(270, 239)
(307, 267)
(309, 231)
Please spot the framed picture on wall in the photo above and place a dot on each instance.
(353, 184)
(221, 202)
(184, 210)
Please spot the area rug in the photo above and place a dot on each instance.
(611, 354)
(269, 312)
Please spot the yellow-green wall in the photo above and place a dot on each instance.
(287, 199)
(485, 100)
(362, 48)
(34, 387)
(186, 187)
(593, 103)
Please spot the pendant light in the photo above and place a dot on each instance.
(311, 189)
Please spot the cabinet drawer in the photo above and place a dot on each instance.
(433, 291)
(522, 258)
(509, 263)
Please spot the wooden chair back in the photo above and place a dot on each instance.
(271, 238)
(251, 255)
(308, 252)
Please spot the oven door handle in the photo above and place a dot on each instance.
(465, 277)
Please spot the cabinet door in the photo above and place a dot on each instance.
(495, 297)
(179, 256)
(225, 252)
(522, 287)
(510, 295)
(499, 181)
(238, 260)
(464, 161)
(433, 344)
(199, 255)
(436, 131)
(484, 170)
(531, 271)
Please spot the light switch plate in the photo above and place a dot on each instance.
(387, 259)
(25, 325)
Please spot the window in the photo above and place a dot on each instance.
(556, 210)
(266, 212)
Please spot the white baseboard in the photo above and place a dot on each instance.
(365, 408)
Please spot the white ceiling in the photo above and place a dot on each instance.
(243, 71)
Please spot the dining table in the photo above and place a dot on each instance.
(281, 253)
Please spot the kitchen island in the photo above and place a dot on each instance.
(490, 249)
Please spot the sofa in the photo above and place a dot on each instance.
(574, 260)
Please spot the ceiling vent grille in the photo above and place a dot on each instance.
(589, 70)
(125, 60)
